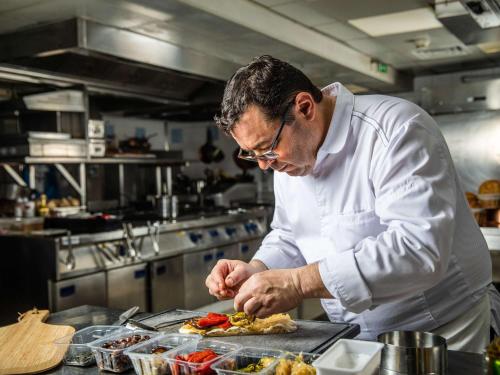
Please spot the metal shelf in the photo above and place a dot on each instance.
(80, 185)
(117, 160)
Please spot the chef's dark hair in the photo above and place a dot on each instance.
(266, 82)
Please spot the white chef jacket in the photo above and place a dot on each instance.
(384, 215)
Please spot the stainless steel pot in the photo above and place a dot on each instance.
(12, 191)
(413, 353)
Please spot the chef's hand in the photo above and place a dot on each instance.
(269, 292)
(227, 276)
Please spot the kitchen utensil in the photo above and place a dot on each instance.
(209, 152)
(28, 346)
(122, 319)
(413, 353)
(134, 324)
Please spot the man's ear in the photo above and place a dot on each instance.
(305, 105)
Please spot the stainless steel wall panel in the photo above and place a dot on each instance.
(473, 139)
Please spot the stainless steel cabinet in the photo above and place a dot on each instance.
(83, 290)
(196, 268)
(167, 284)
(127, 287)
(248, 249)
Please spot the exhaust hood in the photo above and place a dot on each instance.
(111, 60)
(471, 21)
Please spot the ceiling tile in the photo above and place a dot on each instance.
(303, 13)
(398, 22)
(341, 31)
(343, 10)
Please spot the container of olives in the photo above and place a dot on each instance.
(109, 351)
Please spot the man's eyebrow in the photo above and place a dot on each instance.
(260, 144)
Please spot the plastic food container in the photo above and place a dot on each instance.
(234, 362)
(148, 358)
(182, 367)
(304, 366)
(347, 357)
(112, 358)
(79, 353)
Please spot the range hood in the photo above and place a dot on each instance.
(112, 60)
(471, 21)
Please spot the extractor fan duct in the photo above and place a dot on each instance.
(485, 12)
(471, 21)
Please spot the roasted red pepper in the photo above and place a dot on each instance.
(212, 319)
(225, 325)
(201, 357)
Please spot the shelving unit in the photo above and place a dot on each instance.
(80, 185)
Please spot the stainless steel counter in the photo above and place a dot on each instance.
(459, 363)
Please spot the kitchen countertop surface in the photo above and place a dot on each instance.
(459, 363)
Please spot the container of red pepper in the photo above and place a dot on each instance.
(197, 357)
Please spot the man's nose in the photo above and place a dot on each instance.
(265, 164)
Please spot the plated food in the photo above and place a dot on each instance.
(214, 324)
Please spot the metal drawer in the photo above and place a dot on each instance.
(83, 290)
(167, 284)
(127, 286)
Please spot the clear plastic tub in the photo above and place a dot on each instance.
(180, 366)
(297, 363)
(348, 357)
(112, 358)
(148, 358)
(79, 353)
(233, 363)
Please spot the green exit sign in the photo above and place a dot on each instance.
(382, 68)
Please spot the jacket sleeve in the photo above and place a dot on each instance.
(278, 249)
(415, 197)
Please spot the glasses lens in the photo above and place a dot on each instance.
(247, 155)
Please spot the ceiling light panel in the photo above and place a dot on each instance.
(398, 23)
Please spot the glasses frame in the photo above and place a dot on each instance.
(268, 155)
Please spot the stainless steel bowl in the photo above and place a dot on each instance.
(413, 353)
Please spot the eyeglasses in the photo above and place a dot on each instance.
(268, 155)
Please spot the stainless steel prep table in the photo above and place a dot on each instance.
(459, 363)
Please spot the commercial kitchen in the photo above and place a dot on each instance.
(119, 194)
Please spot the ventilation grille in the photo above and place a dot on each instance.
(439, 53)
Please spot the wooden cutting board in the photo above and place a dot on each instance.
(28, 346)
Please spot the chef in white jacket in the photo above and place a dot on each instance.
(369, 212)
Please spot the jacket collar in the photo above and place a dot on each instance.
(338, 130)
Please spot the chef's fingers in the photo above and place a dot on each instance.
(240, 299)
(219, 273)
(252, 306)
(240, 273)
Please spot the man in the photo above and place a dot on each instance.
(369, 214)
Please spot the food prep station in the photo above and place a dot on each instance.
(459, 363)
(117, 190)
